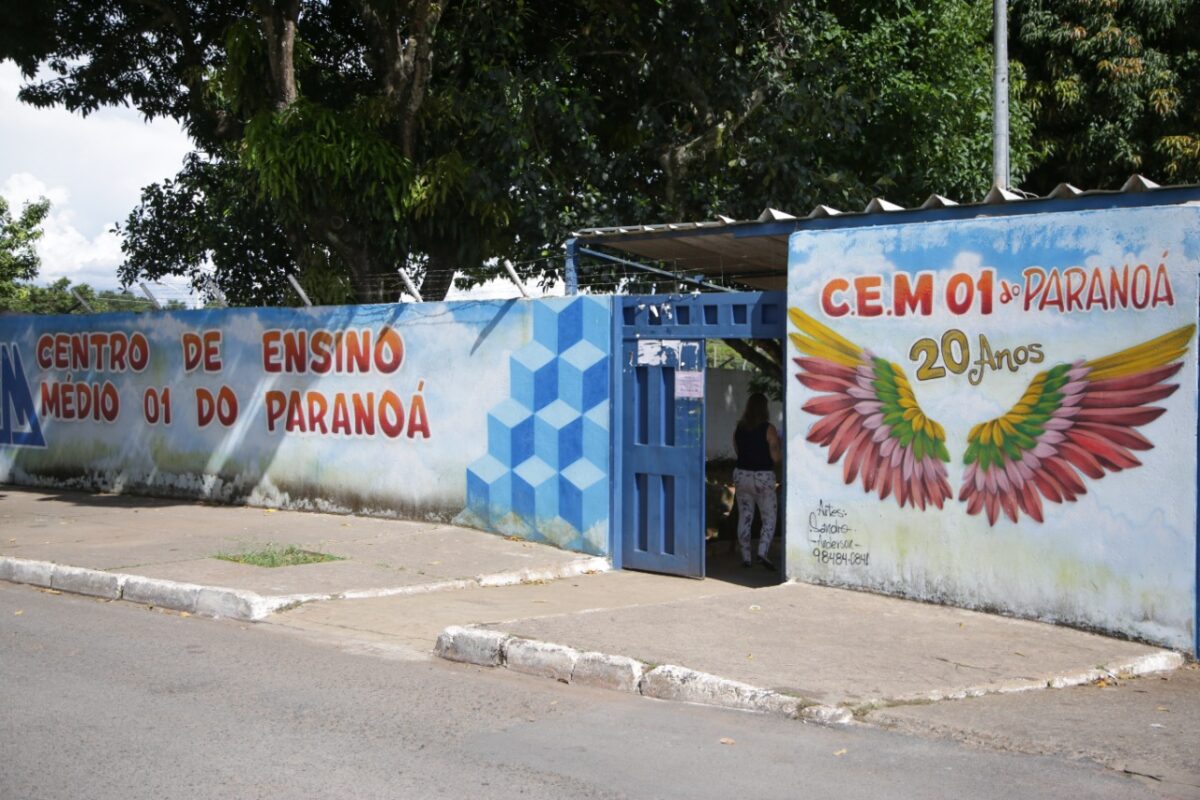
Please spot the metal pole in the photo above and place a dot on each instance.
(79, 299)
(512, 273)
(408, 284)
(150, 295)
(655, 270)
(299, 290)
(571, 272)
(1000, 172)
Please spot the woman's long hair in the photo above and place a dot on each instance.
(756, 412)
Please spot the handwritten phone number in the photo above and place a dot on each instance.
(841, 557)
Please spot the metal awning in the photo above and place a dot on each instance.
(754, 253)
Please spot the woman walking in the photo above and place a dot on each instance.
(756, 443)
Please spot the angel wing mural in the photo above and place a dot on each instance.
(1074, 418)
(870, 416)
(1073, 421)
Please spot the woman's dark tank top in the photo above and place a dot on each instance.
(753, 452)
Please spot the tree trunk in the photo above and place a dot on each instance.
(279, 22)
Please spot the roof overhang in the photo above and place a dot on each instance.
(754, 253)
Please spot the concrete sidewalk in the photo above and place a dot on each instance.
(177, 541)
(845, 649)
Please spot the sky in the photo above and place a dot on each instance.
(91, 169)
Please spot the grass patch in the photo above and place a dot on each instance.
(275, 556)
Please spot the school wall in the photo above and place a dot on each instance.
(995, 441)
(726, 392)
(492, 414)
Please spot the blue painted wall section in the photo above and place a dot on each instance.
(545, 476)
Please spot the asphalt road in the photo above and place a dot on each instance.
(110, 700)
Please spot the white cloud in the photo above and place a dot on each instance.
(65, 251)
(92, 169)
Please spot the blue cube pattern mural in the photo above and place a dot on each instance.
(545, 474)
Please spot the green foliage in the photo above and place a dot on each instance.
(410, 135)
(360, 136)
(18, 257)
(1114, 88)
(273, 555)
(57, 298)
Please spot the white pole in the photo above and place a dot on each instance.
(512, 273)
(1000, 171)
(408, 284)
(79, 299)
(299, 290)
(150, 295)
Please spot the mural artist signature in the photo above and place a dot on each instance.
(829, 533)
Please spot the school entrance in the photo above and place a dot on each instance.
(668, 517)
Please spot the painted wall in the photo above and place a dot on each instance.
(1001, 413)
(725, 393)
(371, 409)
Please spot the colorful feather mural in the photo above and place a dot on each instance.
(1074, 419)
(870, 416)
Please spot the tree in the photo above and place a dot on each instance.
(18, 257)
(340, 140)
(1114, 88)
(59, 297)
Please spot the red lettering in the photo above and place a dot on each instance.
(1141, 286)
(110, 402)
(828, 305)
(79, 352)
(960, 302)
(294, 357)
(358, 351)
(212, 351)
(389, 351)
(1033, 290)
(1076, 280)
(1119, 287)
(118, 345)
(62, 351)
(364, 414)
(341, 415)
(45, 351)
(1096, 295)
(867, 290)
(270, 351)
(1162, 287)
(51, 407)
(206, 407)
(139, 352)
(295, 414)
(317, 406)
(274, 402)
(322, 349)
(906, 297)
(393, 427)
(191, 351)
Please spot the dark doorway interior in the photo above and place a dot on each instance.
(730, 379)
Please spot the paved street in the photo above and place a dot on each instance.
(112, 700)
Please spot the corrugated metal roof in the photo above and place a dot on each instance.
(753, 253)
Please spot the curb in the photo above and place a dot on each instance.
(209, 601)
(1163, 661)
(488, 648)
(242, 604)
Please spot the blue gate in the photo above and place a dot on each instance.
(658, 418)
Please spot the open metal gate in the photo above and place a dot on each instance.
(658, 418)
